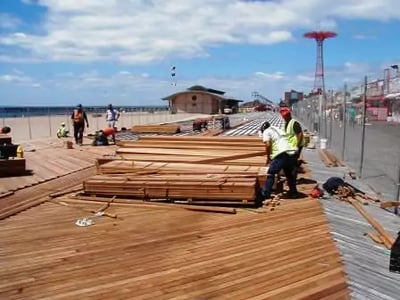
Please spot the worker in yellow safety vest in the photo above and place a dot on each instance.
(293, 130)
(281, 155)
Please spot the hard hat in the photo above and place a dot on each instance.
(62, 123)
(285, 111)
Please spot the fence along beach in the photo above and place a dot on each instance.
(42, 122)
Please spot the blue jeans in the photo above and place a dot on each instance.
(284, 162)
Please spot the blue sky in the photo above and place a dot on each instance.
(60, 52)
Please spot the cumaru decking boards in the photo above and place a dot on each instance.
(202, 169)
(166, 253)
(248, 151)
(156, 128)
(36, 194)
(51, 161)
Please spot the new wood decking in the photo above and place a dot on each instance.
(169, 253)
(51, 160)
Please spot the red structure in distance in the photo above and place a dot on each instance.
(320, 37)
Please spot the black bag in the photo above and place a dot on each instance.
(332, 184)
(395, 256)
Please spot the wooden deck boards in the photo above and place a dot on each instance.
(49, 161)
(169, 253)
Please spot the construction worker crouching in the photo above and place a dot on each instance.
(281, 155)
(101, 138)
(62, 132)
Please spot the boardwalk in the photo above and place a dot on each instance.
(167, 253)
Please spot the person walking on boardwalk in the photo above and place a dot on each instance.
(112, 116)
(79, 118)
(281, 155)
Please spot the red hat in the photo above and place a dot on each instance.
(285, 111)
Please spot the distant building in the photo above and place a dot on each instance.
(198, 99)
(293, 97)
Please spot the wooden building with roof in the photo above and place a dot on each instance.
(199, 99)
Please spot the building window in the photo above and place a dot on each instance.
(194, 104)
(194, 97)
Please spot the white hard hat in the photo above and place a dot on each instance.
(62, 123)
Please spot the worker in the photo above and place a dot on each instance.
(293, 130)
(62, 131)
(101, 138)
(281, 155)
(5, 130)
(112, 116)
(110, 132)
(79, 118)
(200, 124)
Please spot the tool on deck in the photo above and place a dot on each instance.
(11, 156)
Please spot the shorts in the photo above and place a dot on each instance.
(111, 124)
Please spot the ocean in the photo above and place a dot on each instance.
(25, 111)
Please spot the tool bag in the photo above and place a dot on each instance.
(395, 256)
(332, 184)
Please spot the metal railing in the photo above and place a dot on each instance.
(27, 124)
(359, 133)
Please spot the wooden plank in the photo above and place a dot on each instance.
(232, 157)
(162, 128)
(388, 240)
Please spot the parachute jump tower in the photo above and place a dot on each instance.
(320, 37)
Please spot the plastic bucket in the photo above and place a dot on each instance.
(323, 143)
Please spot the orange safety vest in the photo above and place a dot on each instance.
(78, 116)
(108, 131)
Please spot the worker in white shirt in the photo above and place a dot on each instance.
(112, 116)
(281, 155)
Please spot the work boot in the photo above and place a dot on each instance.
(292, 195)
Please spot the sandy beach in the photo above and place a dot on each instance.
(32, 128)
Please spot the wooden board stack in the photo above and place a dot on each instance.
(195, 169)
(156, 128)
(243, 151)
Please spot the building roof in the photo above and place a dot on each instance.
(199, 89)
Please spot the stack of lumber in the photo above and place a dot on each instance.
(244, 151)
(156, 128)
(196, 169)
(196, 188)
(142, 167)
(329, 159)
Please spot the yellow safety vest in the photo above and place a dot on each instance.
(292, 137)
(282, 144)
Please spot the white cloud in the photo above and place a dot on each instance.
(14, 78)
(133, 88)
(8, 22)
(306, 78)
(363, 37)
(270, 76)
(138, 31)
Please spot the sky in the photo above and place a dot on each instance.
(64, 52)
